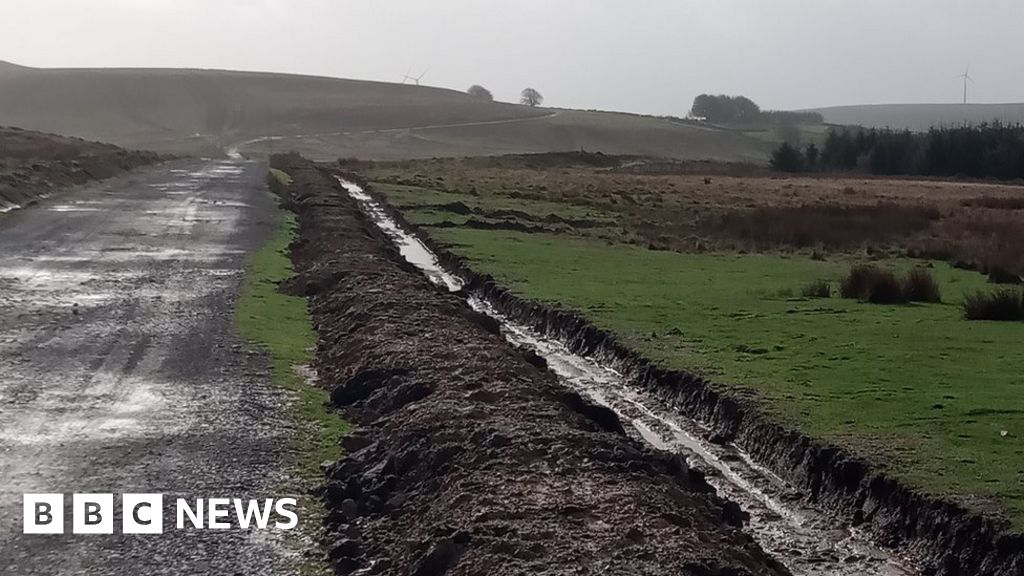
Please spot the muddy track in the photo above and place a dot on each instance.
(120, 370)
(940, 536)
(470, 457)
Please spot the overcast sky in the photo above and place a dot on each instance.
(650, 56)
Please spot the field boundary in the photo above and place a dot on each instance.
(943, 536)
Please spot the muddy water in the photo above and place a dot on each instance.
(806, 540)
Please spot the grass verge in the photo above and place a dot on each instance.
(280, 324)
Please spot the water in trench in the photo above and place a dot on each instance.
(803, 538)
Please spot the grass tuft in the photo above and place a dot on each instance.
(1000, 275)
(817, 289)
(920, 286)
(872, 284)
(1003, 305)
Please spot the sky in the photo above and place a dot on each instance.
(646, 56)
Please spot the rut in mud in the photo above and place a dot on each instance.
(471, 457)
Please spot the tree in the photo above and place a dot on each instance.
(811, 155)
(531, 97)
(787, 158)
(721, 108)
(479, 92)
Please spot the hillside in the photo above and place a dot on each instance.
(556, 131)
(182, 109)
(920, 117)
(210, 110)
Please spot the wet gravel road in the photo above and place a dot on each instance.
(120, 371)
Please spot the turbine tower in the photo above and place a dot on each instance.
(966, 76)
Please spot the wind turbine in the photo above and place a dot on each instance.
(415, 79)
(966, 76)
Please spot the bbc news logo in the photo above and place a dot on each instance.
(144, 514)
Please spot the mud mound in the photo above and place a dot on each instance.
(32, 164)
(469, 458)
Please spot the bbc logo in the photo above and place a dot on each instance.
(143, 514)
(93, 513)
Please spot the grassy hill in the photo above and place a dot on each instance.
(920, 117)
(556, 131)
(210, 110)
(186, 109)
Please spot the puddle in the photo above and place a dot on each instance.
(71, 208)
(411, 248)
(805, 539)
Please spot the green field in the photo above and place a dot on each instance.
(935, 399)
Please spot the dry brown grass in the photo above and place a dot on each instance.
(829, 226)
(972, 223)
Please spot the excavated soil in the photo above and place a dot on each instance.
(469, 457)
(33, 164)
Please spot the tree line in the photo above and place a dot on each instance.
(743, 110)
(528, 97)
(983, 151)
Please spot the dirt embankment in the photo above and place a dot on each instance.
(33, 164)
(470, 458)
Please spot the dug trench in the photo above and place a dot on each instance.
(469, 457)
(937, 536)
